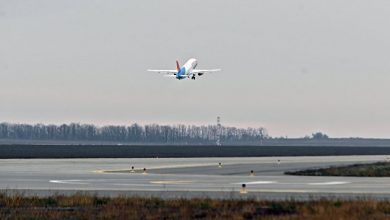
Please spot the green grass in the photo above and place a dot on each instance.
(82, 206)
(379, 169)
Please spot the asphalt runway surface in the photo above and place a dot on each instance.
(191, 177)
(180, 151)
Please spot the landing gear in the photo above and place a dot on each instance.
(193, 77)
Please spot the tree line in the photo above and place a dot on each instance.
(134, 133)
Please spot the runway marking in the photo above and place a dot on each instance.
(98, 171)
(173, 166)
(68, 182)
(128, 184)
(115, 171)
(282, 190)
(256, 182)
(171, 182)
(328, 183)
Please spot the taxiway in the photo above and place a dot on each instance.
(190, 177)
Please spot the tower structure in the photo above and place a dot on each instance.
(219, 130)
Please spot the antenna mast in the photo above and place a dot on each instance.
(218, 142)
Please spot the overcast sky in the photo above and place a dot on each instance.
(292, 66)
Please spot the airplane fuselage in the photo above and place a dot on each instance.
(186, 69)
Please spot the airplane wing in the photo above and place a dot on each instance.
(167, 72)
(170, 75)
(201, 72)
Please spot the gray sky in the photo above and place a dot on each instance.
(292, 66)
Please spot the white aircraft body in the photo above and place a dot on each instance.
(186, 71)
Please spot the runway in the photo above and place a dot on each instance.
(190, 177)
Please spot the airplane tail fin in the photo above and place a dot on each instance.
(177, 65)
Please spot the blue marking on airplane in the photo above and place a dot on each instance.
(181, 72)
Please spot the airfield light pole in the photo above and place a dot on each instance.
(218, 131)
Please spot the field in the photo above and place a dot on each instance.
(81, 206)
(379, 169)
(149, 151)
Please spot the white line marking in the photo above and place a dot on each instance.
(328, 183)
(256, 182)
(128, 184)
(171, 182)
(68, 182)
(282, 190)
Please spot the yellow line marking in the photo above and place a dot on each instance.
(281, 190)
(116, 171)
(159, 167)
(98, 171)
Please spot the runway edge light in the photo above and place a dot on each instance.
(243, 189)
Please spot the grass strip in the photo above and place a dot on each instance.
(378, 169)
(82, 206)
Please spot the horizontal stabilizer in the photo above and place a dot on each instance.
(170, 72)
(205, 71)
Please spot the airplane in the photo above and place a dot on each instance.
(186, 71)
